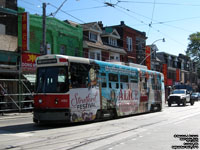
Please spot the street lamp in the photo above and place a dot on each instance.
(163, 39)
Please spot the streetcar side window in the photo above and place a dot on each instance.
(144, 82)
(62, 80)
(123, 78)
(133, 79)
(103, 80)
(113, 77)
(153, 83)
(79, 75)
(159, 82)
(124, 82)
(113, 81)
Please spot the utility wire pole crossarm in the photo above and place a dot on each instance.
(163, 39)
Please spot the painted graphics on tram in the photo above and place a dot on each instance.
(122, 91)
(84, 102)
(129, 91)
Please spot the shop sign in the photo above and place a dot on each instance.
(148, 57)
(165, 73)
(169, 82)
(25, 31)
(29, 62)
(177, 75)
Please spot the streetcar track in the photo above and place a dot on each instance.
(82, 141)
(42, 142)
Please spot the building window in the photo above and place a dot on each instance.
(62, 49)
(76, 52)
(98, 56)
(92, 55)
(114, 56)
(95, 55)
(93, 36)
(112, 41)
(129, 43)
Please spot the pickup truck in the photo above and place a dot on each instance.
(180, 96)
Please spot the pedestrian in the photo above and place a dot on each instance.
(2, 95)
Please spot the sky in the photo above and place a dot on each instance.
(173, 20)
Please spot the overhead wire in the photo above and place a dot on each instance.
(150, 24)
(159, 3)
(88, 8)
(31, 4)
(54, 14)
(156, 22)
(114, 7)
(65, 12)
(156, 29)
(176, 20)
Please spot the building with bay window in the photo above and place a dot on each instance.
(101, 43)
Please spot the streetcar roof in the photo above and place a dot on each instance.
(69, 58)
(88, 61)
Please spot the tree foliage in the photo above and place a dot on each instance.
(193, 49)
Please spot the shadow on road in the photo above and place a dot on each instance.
(31, 127)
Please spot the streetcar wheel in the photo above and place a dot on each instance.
(191, 102)
(35, 121)
(152, 108)
(159, 107)
(99, 115)
(184, 102)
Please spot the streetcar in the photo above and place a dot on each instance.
(75, 89)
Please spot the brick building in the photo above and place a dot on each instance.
(132, 41)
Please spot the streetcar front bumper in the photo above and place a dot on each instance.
(51, 115)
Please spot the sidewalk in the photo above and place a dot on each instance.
(16, 115)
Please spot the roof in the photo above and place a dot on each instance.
(99, 45)
(92, 26)
(124, 25)
(110, 32)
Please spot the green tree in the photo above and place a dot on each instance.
(193, 49)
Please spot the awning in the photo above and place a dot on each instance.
(8, 56)
(8, 11)
(30, 77)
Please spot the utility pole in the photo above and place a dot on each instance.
(44, 29)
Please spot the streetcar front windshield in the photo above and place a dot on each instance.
(52, 80)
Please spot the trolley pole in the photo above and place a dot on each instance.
(44, 30)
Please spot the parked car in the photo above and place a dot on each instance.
(195, 96)
(180, 96)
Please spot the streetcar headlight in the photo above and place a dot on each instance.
(40, 101)
(56, 101)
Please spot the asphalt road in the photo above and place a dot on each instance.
(173, 127)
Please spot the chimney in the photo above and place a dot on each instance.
(122, 23)
(100, 24)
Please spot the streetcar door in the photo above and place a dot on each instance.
(84, 92)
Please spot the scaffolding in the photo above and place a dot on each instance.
(18, 95)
